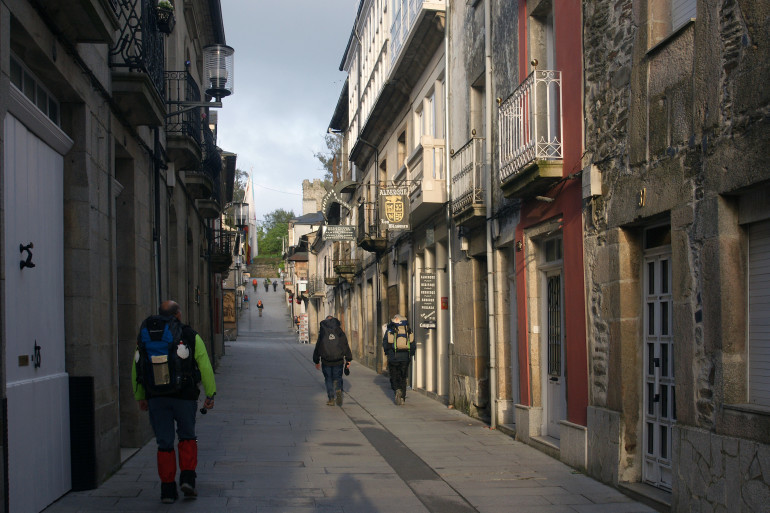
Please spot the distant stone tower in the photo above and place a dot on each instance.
(312, 195)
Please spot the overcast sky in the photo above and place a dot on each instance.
(287, 82)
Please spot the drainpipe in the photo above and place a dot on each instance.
(447, 157)
(156, 236)
(490, 220)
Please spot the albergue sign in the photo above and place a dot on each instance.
(394, 208)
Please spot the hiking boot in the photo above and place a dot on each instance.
(399, 397)
(330, 402)
(339, 397)
(187, 484)
(168, 494)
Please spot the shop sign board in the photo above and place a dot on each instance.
(427, 300)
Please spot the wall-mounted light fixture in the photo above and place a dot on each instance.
(218, 69)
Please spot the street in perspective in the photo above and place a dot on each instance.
(272, 445)
(385, 255)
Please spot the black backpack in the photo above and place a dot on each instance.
(331, 349)
(166, 363)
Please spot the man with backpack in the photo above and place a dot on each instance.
(332, 355)
(169, 364)
(399, 347)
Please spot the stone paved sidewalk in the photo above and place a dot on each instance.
(273, 445)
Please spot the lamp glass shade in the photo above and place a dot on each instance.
(218, 70)
(241, 214)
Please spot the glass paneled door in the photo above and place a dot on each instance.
(556, 386)
(659, 383)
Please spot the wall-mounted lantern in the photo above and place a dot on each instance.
(218, 69)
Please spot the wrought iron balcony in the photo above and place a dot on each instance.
(427, 179)
(210, 173)
(316, 288)
(137, 61)
(369, 237)
(221, 249)
(466, 169)
(531, 136)
(346, 268)
(183, 125)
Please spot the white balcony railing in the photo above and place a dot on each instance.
(467, 182)
(530, 123)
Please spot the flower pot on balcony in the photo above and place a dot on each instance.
(166, 19)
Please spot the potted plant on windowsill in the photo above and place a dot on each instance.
(165, 15)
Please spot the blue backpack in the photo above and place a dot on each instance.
(166, 363)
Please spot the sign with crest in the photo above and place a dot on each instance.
(394, 208)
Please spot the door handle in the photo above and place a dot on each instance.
(554, 378)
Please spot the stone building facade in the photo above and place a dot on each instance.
(116, 200)
(676, 125)
(605, 241)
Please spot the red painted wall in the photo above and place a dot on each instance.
(567, 205)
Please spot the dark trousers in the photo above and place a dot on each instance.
(398, 370)
(333, 378)
(166, 413)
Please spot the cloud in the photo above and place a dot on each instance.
(287, 82)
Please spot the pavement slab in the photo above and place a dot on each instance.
(272, 445)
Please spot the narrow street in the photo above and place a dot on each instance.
(273, 445)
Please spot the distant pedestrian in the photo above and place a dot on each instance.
(275, 285)
(170, 363)
(260, 306)
(399, 347)
(332, 355)
(266, 283)
(254, 283)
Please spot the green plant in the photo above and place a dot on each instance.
(165, 4)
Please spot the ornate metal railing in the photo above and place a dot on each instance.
(140, 45)
(530, 123)
(181, 87)
(212, 162)
(467, 182)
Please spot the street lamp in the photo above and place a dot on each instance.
(218, 68)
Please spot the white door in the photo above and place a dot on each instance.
(554, 362)
(659, 384)
(36, 381)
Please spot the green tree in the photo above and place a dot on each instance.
(272, 231)
(330, 159)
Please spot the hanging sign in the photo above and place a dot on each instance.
(394, 208)
(428, 300)
(335, 232)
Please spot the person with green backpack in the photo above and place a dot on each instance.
(399, 346)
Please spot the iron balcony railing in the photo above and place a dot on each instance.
(212, 162)
(222, 241)
(181, 87)
(139, 46)
(316, 286)
(531, 123)
(466, 169)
